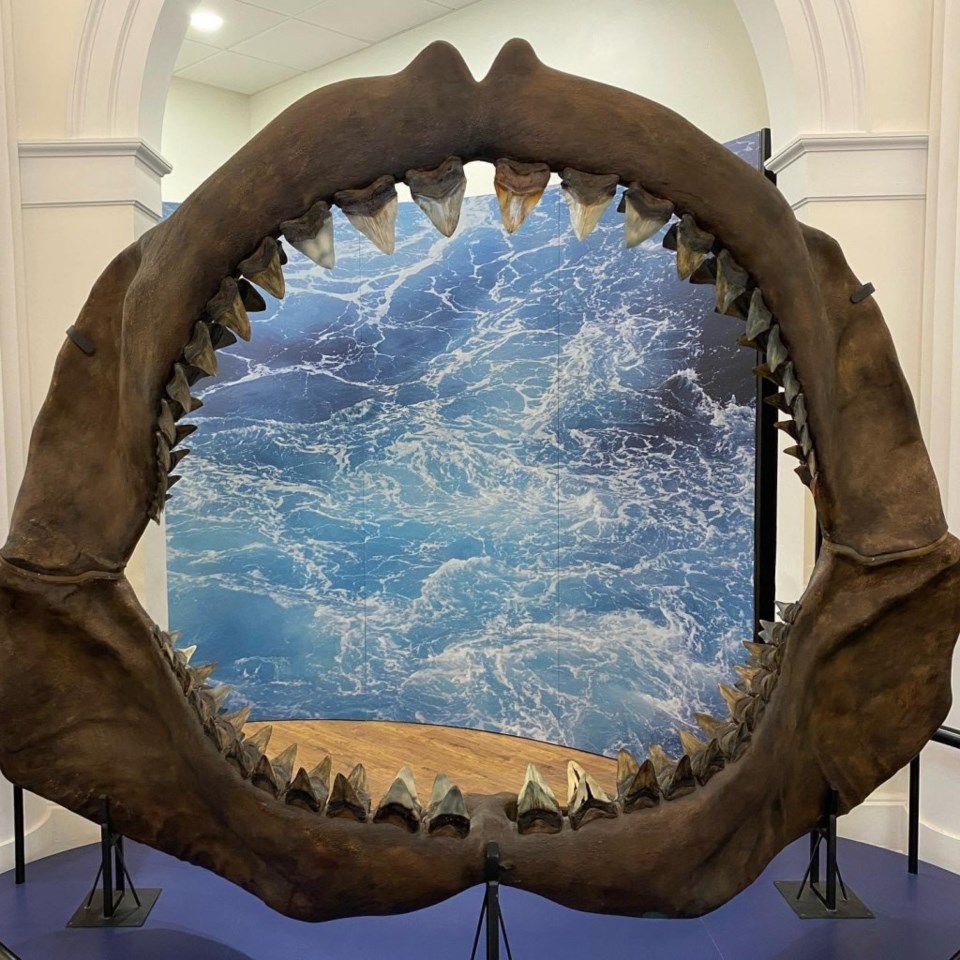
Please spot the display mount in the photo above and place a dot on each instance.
(806, 897)
(109, 906)
(491, 908)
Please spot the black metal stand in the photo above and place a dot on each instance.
(949, 737)
(108, 906)
(807, 899)
(19, 842)
(491, 909)
(7, 954)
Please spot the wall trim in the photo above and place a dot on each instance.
(86, 147)
(843, 143)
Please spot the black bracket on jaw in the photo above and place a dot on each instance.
(809, 899)
(491, 908)
(108, 906)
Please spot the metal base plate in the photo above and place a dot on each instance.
(126, 914)
(810, 907)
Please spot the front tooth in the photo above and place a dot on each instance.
(732, 281)
(588, 195)
(199, 351)
(349, 796)
(301, 792)
(519, 188)
(537, 808)
(693, 246)
(640, 791)
(312, 234)
(589, 800)
(226, 308)
(439, 193)
(645, 215)
(373, 211)
(400, 804)
(448, 816)
(264, 267)
(759, 318)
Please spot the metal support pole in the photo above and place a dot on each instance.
(833, 803)
(913, 818)
(814, 856)
(19, 844)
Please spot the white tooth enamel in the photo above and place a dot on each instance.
(584, 217)
(444, 213)
(319, 248)
(380, 228)
(645, 215)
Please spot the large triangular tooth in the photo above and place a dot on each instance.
(264, 267)
(185, 654)
(439, 193)
(449, 817)
(734, 742)
(731, 697)
(201, 674)
(283, 764)
(693, 246)
(216, 696)
(166, 422)
(199, 351)
(178, 389)
(645, 215)
(400, 804)
(301, 792)
(349, 797)
(260, 740)
(778, 400)
(627, 767)
(791, 385)
(776, 350)
(690, 742)
(224, 736)
(373, 211)
(441, 786)
(707, 762)
(588, 196)
(787, 611)
(680, 782)
(732, 281)
(519, 187)
(575, 773)
(183, 431)
(642, 791)
(711, 726)
(537, 808)
(589, 800)
(749, 674)
(773, 632)
(320, 774)
(266, 778)
(759, 317)
(312, 234)
(226, 309)
(238, 718)
(250, 297)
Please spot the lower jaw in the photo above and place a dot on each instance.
(100, 711)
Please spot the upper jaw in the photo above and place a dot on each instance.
(92, 478)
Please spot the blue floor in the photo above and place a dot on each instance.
(201, 917)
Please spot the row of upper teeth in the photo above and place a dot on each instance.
(639, 785)
(439, 193)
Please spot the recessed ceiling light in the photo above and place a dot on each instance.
(205, 21)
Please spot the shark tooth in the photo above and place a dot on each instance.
(767, 685)
(519, 188)
(373, 211)
(166, 422)
(320, 777)
(732, 281)
(589, 801)
(693, 246)
(264, 267)
(221, 336)
(178, 390)
(627, 767)
(641, 790)
(448, 816)
(788, 427)
(680, 782)
(255, 745)
(731, 697)
(794, 451)
(773, 632)
(787, 611)
(690, 742)
(645, 215)
(216, 696)
(439, 193)
(537, 808)
(806, 442)
(283, 764)
(670, 237)
(185, 654)
(250, 297)
(776, 349)
(734, 742)
(163, 454)
(400, 804)
(301, 793)
(226, 309)
(200, 675)
(707, 762)
(791, 385)
(266, 778)
(588, 196)
(223, 735)
(779, 401)
(199, 352)
(176, 456)
(759, 318)
(441, 786)
(711, 726)
(800, 410)
(349, 796)
(749, 674)
(312, 234)
(238, 718)
(706, 272)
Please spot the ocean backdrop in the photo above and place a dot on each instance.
(495, 482)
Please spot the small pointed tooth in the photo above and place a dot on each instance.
(283, 764)
(186, 653)
(706, 272)
(803, 472)
(449, 817)
(794, 451)
(759, 318)
(645, 215)
(707, 762)
(800, 410)
(788, 611)
(788, 427)
(260, 739)
(176, 456)
(226, 309)
(778, 400)
(681, 781)
(589, 801)
(749, 674)
(662, 763)
(373, 211)
(670, 237)
(791, 386)
(575, 773)
(166, 422)
(732, 281)
(346, 800)
(441, 786)
(173, 480)
(178, 389)
(757, 651)
(199, 351)
(321, 772)
(250, 297)
(519, 187)
(163, 454)
(734, 742)
(711, 726)
(238, 718)
(588, 196)
(312, 235)
(400, 804)
(537, 808)
(776, 349)
(301, 793)
(221, 337)
(627, 767)
(439, 193)
(265, 778)
(200, 675)
(731, 697)
(183, 431)
(693, 246)
(264, 267)
(771, 631)
(642, 790)
(691, 744)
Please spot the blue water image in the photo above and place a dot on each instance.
(496, 482)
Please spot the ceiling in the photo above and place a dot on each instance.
(263, 42)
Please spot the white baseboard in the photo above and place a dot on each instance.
(881, 821)
(57, 830)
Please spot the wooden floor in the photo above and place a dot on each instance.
(478, 762)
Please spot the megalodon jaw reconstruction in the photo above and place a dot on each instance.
(842, 690)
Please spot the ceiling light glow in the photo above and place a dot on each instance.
(205, 21)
